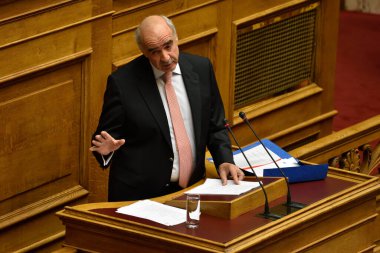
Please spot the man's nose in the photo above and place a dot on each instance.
(165, 56)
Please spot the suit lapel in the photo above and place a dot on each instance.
(192, 85)
(149, 91)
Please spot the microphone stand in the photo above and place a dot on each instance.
(267, 214)
(289, 201)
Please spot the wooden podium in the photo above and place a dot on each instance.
(341, 216)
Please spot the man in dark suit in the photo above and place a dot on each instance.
(135, 133)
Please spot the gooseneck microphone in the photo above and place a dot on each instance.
(267, 214)
(289, 201)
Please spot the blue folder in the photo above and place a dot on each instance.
(301, 173)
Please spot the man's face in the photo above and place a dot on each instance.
(160, 46)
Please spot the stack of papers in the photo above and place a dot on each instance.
(151, 210)
(215, 187)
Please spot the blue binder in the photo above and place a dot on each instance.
(301, 173)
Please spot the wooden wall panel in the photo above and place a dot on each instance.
(124, 48)
(30, 23)
(44, 132)
(17, 8)
(33, 233)
(44, 51)
(99, 67)
(52, 61)
(201, 45)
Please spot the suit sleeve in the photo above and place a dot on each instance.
(112, 116)
(218, 143)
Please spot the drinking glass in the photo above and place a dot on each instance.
(193, 210)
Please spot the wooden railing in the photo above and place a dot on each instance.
(356, 148)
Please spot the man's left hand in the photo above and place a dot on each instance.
(229, 169)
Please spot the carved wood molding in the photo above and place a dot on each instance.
(363, 159)
(56, 30)
(69, 58)
(58, 236)
(43, 205)
(275, 103)
(338, 143)
(37, 11)
(138, 7)
(303, 125)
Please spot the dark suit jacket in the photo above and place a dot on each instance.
(133, 110)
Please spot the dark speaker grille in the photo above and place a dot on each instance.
(274, 58)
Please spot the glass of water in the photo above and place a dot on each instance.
(193, 210)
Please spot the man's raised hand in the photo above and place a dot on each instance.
(104, 143)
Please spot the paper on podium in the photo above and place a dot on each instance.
(214, 187)
(151, 210)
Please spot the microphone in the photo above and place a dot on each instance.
(289, 201)
(267, 214)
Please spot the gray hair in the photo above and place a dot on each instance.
(138, 31)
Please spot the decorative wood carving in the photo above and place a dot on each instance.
(363, 159)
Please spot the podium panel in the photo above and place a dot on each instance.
(340, 216)
(232, 206)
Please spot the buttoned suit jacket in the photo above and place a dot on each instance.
(133, 110)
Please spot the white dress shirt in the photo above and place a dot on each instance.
(184, 105)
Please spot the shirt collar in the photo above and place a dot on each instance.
(158, 73)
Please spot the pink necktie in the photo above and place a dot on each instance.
(181, 137)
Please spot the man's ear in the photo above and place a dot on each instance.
(144, 52)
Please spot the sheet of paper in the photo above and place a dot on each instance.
(214, 187)
(257, 156)
(158, 212)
